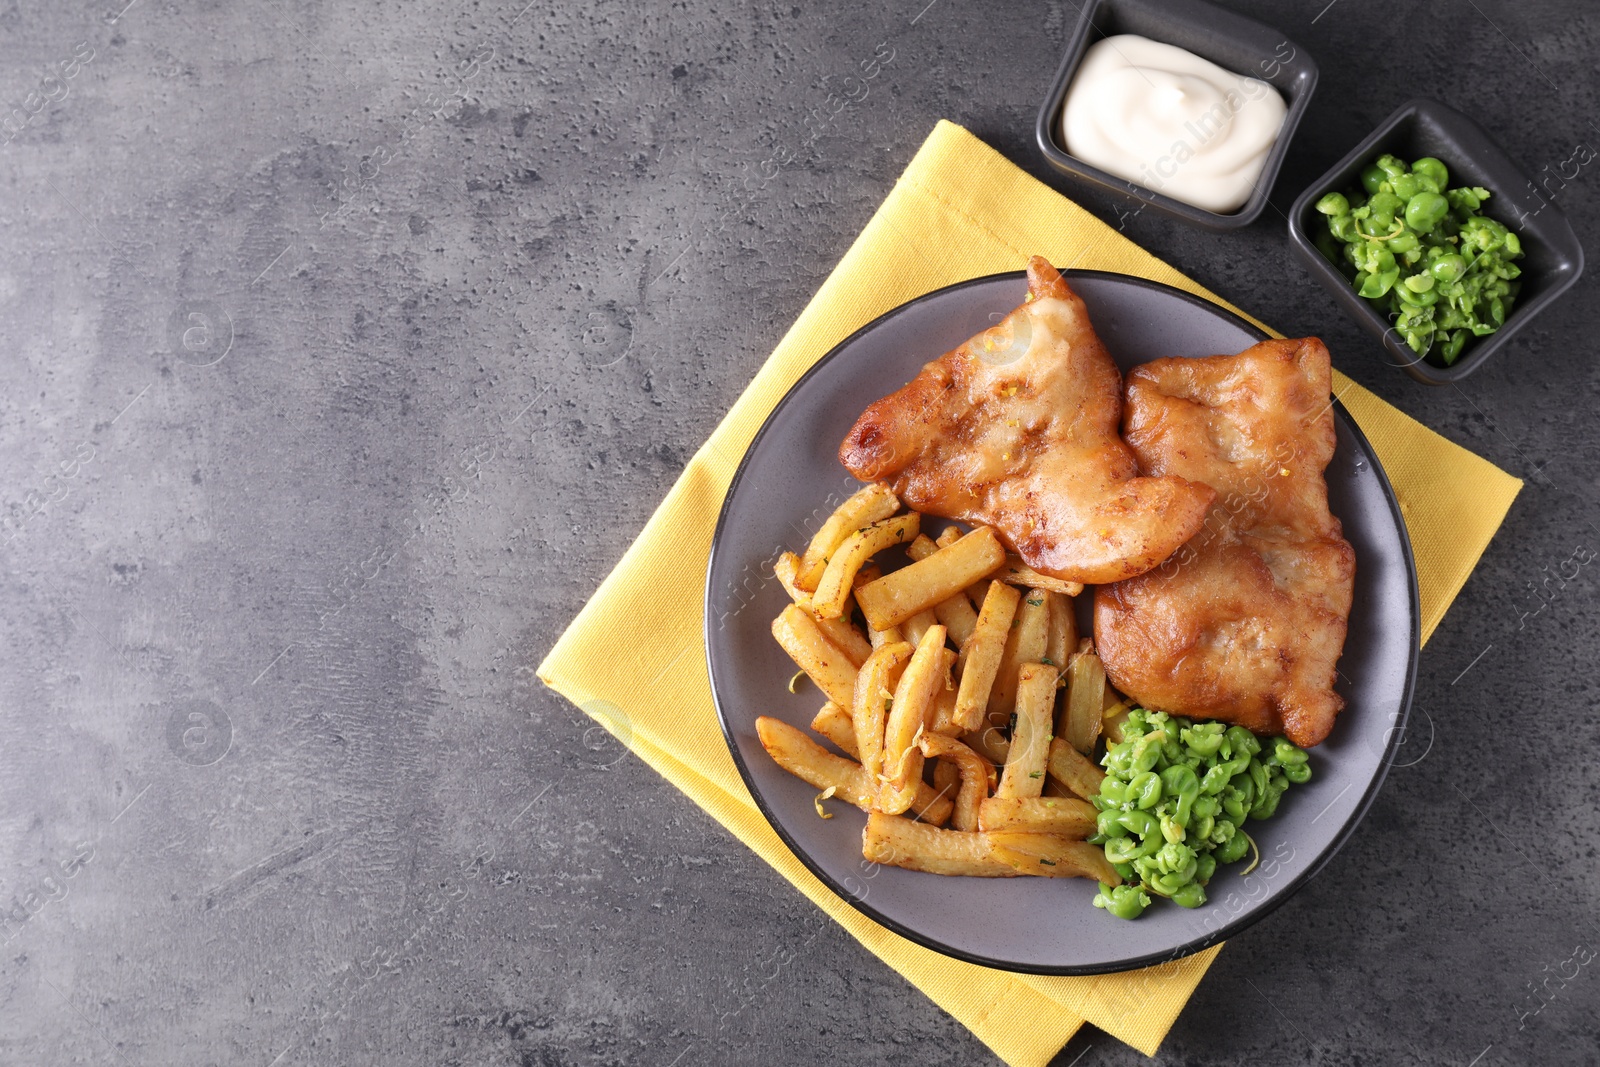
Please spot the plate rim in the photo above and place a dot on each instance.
(1396, 730)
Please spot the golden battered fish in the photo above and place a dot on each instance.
(1017, 429)
(1247, 621)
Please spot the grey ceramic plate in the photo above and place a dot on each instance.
(789, 482)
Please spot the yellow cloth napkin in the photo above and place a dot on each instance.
(959, 211)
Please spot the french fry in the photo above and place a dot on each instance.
(868, 505)
(802, 757)
(990, 743)
(1024, 644)
(957, 616)
(1083, 712)
(1017, 572)
(908, 720)
(891, 636)
(943, 574)
(834, 723)
(833, 589)
(1051, 856)
(812, 652)
(1030, 741)
(840, 631)
(955, 613)
(1073, 819)
(949, 536)
(974, 773)
(1074, 770)
(919, 624)
(1052, 787)
(843, 635)
(787, 570)
(878, 638)
(902, 843)
(982, 652)
(946, 776)
(1062, 636)
(942, 716)
(869, 705)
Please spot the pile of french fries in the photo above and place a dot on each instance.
(947, 705)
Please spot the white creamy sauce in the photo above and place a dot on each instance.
(1166, 119)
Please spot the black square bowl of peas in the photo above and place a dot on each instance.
(1435, 241)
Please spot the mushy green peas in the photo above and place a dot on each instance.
(1173, 801)
(1421, 252)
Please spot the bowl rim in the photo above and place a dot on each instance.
(1065, 162)
(1396, 731)
(1377, 323)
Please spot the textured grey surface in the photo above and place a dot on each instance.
(347, 348)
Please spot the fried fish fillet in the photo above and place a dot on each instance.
(1017, 429)
(1247, 621)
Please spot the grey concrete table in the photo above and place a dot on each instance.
(347, 347)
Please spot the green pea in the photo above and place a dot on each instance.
(1385, 206)
(1205, 865)
(1233, 850)
(1372, 178)
(1434, 169)
(1118, 760)
(1175, 857)
(1259, 776)
(1206, 805)
(1138, 822)
(1449, 352)
(1145, 790)
(1403, 242)
(1233, 802)
(1300, 773)
(1190, 896)
(1333, 204)
(1343, 227)
(1123, 901)
(1113, 790)
(1415, 299)
(1171, 830)
(1147, 751)
(1216, 779)
(1167, 884)
(1448, 268)
(1127, 849)
(1180, 779)
(1108, 825)
(1426, 210)
(1267, 806)
(1204, 739)
(1243, 740)
(1406, 186)
(1419, 283)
